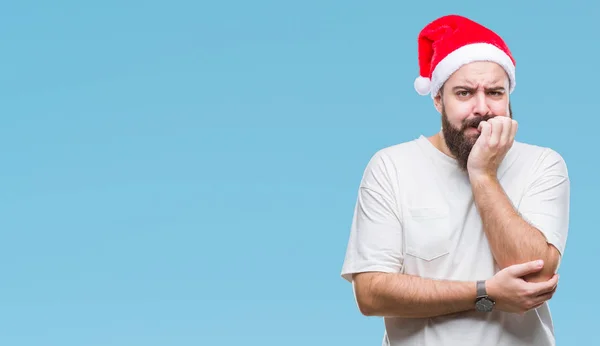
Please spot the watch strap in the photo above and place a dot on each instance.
(481, 291)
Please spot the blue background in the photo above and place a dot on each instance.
(184, 173)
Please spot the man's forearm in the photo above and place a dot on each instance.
(512, 239)
(400, 295)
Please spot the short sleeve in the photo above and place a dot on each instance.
(545, 204)
(375, 242)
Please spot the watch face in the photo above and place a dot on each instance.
(484, 305)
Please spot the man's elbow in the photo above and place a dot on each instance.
(551, 262)
(363, 291)
(365, 307)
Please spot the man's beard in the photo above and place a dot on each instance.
(458, 143)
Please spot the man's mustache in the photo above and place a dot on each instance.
(475, 121)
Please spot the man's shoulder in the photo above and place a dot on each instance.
(537, 155)
(391, 159)
(532, 151)
(529, 147)
(399, 151)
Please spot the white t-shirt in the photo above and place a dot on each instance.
(415, 214)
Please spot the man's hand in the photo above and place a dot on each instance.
(513, 294)
(496, 138)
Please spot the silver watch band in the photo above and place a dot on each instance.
(481, 291)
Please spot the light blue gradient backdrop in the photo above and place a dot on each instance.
(184, 173)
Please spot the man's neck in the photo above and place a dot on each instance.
(437, 141)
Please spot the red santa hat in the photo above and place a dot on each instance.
(452, 41)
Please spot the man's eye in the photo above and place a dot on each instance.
(463, 93)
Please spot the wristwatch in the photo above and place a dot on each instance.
(483, 303)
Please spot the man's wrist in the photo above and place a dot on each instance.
(483, 302)
(482, 178)
(486, 284)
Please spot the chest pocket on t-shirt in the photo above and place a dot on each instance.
(427, 233)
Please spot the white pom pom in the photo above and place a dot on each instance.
(422, 85)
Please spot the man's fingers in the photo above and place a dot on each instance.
(513, 129)
(506, 135)
(546, 286)
(541, 299)
(496, 128)
(486, 130)
(520, 270)
(553, 290)
(537, 306)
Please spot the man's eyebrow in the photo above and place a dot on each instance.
(496, 88)
(470, 88)
(462, 87)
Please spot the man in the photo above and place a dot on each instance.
(456, 238)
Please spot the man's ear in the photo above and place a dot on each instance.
(438, 102)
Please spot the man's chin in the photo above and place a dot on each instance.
(469, 141)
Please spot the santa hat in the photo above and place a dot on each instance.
(452, 41)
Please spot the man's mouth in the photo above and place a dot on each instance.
(473, 130)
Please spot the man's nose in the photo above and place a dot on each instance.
(481, 106)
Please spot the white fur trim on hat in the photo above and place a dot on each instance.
(467, 54)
